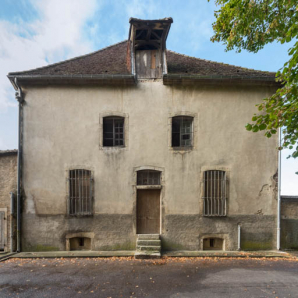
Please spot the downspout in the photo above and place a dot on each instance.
(239, 237)
(20, 99)
(278, 195)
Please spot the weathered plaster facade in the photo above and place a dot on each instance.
(62, 130)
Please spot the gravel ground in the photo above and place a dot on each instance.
(167, 277)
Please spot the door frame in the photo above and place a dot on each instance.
(135, 194)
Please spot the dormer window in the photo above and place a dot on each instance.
(148, 44)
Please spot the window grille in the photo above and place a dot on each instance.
(215, 193)
(113, 131)
(182, 131)
(148, 177)
(80, 192)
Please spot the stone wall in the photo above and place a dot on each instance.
(289, 222)
(8, 183)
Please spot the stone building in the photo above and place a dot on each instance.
(8, 186)
(289, 222)
(135, 139)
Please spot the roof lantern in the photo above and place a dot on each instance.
(149, 34)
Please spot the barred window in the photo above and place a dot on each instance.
(148, 177)
(215, 193)
(182, 132)
(113, 131)
(80, 192)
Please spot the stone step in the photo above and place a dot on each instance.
(149, 248)
(149, 242)
(147, 255)
(148, 236)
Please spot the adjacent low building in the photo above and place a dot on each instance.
(8, 188)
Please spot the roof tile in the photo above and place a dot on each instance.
(113, 60)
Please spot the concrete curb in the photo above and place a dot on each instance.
(178, 254)
(7, 256)
(228, 254)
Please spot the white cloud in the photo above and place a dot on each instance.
(141, 9)
(56, 35)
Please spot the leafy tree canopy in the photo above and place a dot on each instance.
(250, 25)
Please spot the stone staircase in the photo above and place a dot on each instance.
(148, 246)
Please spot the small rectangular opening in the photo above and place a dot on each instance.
(80, 243)
(213, 244)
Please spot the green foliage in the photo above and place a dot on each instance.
(249, 25)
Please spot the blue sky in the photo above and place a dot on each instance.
(35, 33)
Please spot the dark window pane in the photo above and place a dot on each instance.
(176, 124)
(182, 131)
(107, 125)
(113, 131)
(175, 139)
(108, 142)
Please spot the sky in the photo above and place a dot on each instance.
(36, 33)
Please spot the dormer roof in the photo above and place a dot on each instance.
(149, 34)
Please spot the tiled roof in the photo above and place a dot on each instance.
(113, 61)
(186, 65)
(110, 60)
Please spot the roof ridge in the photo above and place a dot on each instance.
(251, 69)
(68, 60)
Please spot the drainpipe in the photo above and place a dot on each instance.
(11, 220)
(20, 99)
(278, 196)
(239, 237)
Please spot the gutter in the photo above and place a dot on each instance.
(12, 76)
(169, 79)
(278, 195)
(20, 98)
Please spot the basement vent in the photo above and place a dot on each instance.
(213, 244)
(80, 243)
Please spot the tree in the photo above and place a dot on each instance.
(250, 25)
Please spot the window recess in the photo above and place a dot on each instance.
(215, 193)
(80, 192)
(148, 177)
(113, 132)
(182, 131)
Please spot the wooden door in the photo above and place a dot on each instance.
(148, 64)
(2, 230)
(148, 211)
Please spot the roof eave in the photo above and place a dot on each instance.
(126, 79)
(178, 79)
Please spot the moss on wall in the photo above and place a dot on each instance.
(256, 245)
(170, 245)
(40, 247)
(119, 246)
